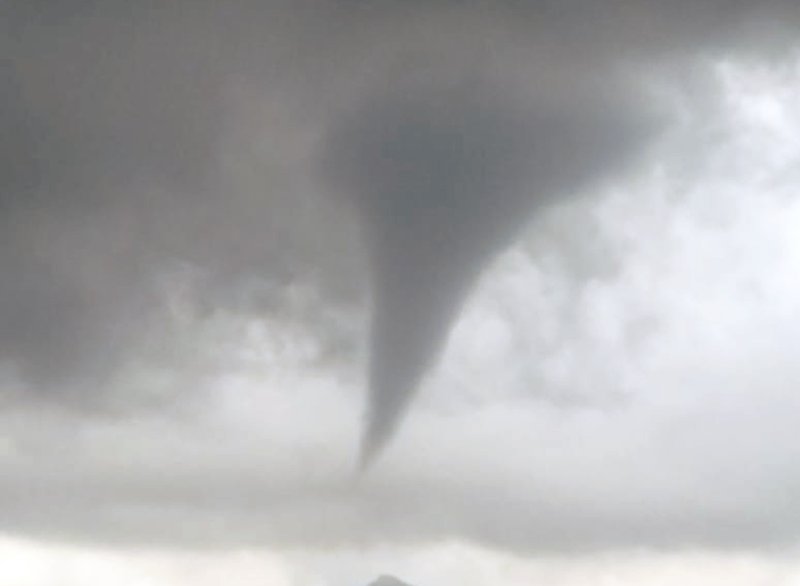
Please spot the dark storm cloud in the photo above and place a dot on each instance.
(120, 122)
(115, 121)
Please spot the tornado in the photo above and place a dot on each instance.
(444, 178)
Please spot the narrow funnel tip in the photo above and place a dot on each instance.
(373, 443)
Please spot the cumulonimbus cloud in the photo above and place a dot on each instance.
(116, 119)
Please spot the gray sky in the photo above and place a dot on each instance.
(203, 209)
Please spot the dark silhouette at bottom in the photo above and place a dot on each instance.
(388, 581)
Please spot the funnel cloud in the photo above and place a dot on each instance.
(443, 179)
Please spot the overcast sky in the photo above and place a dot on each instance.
(199, 224)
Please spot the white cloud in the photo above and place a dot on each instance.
(28, 563)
